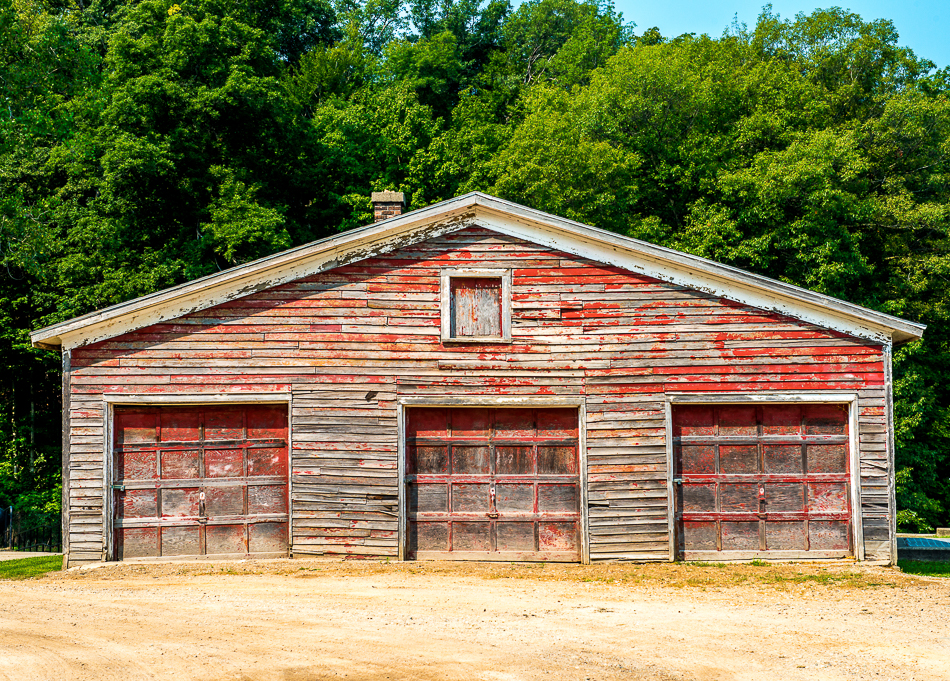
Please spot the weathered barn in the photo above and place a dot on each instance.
(479, 380)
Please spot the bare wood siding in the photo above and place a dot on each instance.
(347, 342)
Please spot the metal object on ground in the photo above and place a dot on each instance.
(923, 548)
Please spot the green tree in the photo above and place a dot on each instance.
(146, 142)
(562, 40)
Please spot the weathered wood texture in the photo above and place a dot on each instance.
(193, 480)
(762, 478)
(498, 483)
(347, 342)
(476, 307)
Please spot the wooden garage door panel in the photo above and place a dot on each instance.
(762, 480)
(493, 484)
(200, 481)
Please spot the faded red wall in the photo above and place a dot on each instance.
(348, 341)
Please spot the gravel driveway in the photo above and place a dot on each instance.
(307, 620)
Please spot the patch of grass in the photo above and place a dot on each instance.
(24, 568)
(800, 577)
(930, 568)
(846, 579)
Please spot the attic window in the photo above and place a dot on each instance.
(476, 305)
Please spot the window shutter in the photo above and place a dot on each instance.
(476, 307)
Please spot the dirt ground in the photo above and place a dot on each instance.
(308, 621)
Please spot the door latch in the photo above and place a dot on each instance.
(119, 488)
(492, 511)
(677, 481)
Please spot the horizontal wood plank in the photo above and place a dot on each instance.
(349, 342)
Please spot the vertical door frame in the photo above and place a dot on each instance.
(108, 479)
(579, 403)
(110, 401)
(848, 398)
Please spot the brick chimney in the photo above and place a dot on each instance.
(387, 205)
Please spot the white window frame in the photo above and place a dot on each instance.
(445, 303)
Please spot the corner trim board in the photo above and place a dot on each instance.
(66, 426)
(891, 449)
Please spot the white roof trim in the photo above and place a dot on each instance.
(506, 218)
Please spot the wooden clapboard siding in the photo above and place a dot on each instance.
(84, 496)
(348, 342)
(345, 486)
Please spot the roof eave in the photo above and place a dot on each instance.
(897, 329)
(443, 217)
(378, 234)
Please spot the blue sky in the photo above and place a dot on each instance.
(923, 25)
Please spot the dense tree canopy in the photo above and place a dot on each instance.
(146, 143)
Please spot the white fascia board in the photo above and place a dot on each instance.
(237, 282)
(694, 272)
(507, 218)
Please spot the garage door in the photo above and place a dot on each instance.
(493, 484)
(770, 481)
(193, 481)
